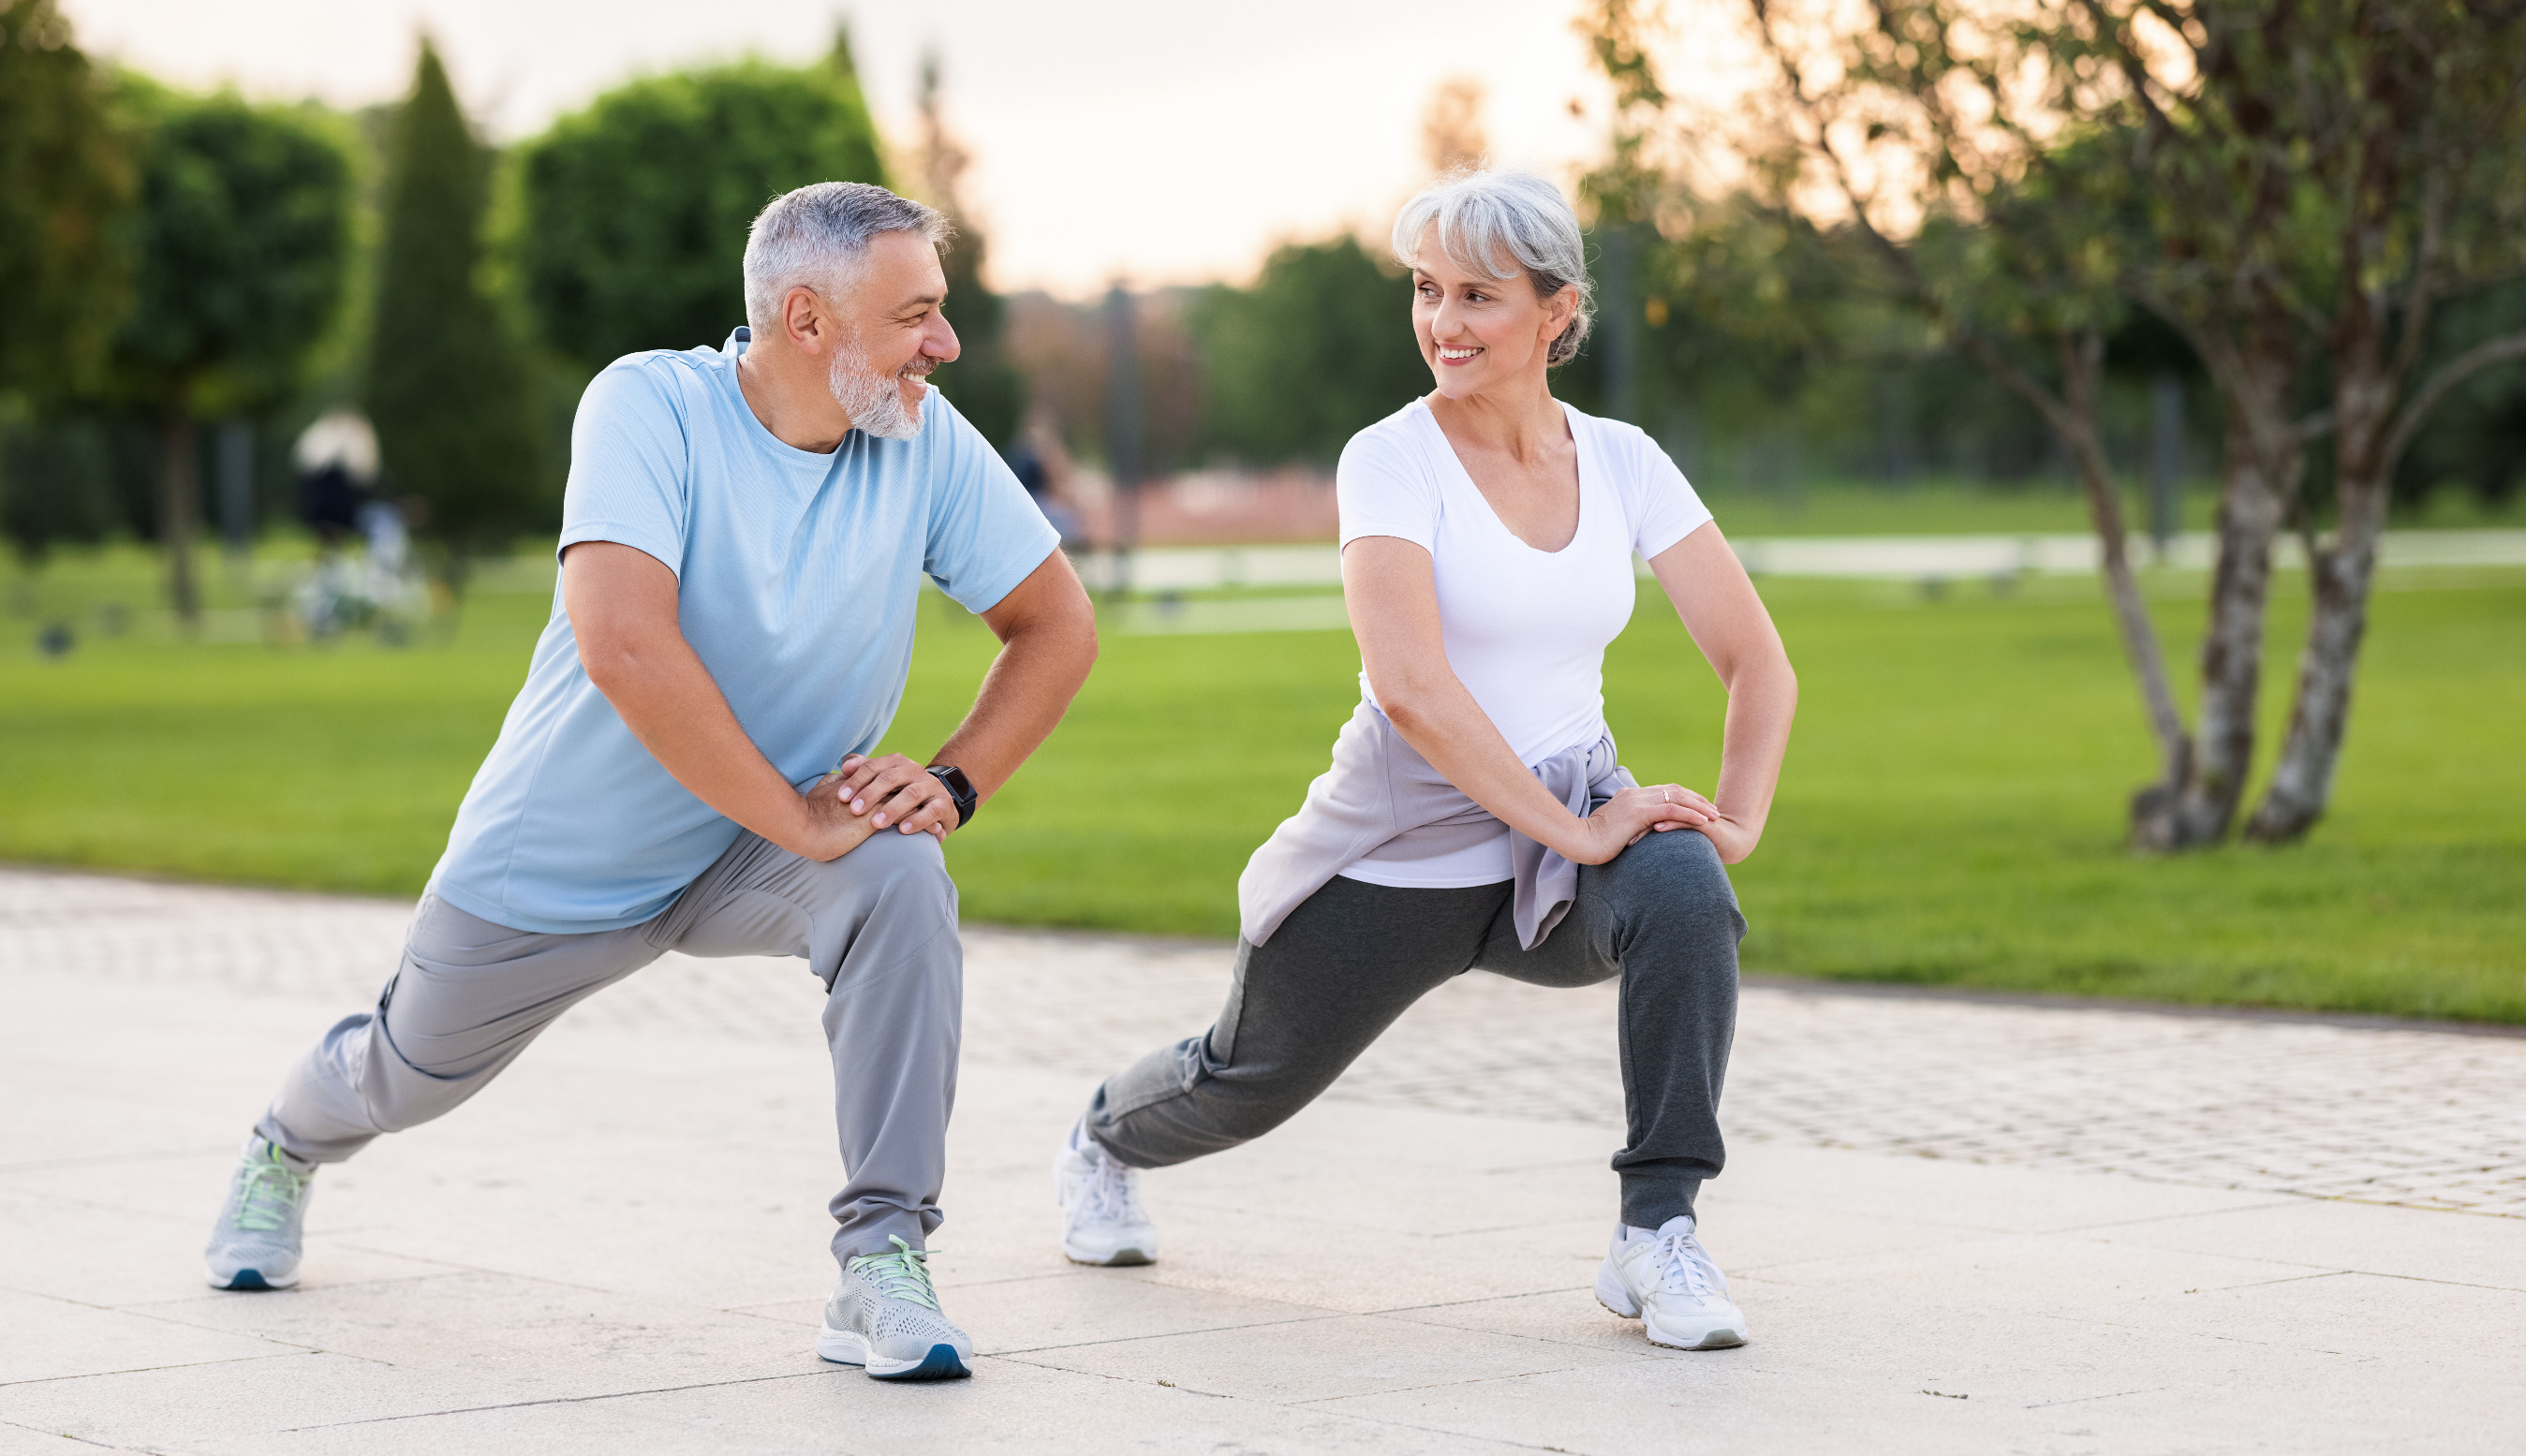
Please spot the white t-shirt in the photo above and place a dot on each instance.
(1525, 630)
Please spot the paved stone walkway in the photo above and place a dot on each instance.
(2361, 1112)
(1955, 1224)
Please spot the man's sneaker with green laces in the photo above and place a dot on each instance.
(884, 1318)
(1664, 1279)
(256, 1243)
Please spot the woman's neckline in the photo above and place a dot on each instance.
(1579, 452)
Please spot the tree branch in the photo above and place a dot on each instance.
(2465, 365)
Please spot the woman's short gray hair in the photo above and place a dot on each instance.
(1482, 215)
(818, 236)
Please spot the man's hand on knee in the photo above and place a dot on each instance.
(894, 792)
(831, 830)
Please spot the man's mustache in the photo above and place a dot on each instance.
(920, 367)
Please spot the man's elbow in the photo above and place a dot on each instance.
(1072, 633)
(610, 664)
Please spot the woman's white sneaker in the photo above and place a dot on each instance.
(1101, 1218)
(1664, 1279)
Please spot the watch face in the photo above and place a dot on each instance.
(959, 787)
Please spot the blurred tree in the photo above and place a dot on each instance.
(1319, 348)
(66, 190)
(2315, 178)
(2478, 438)
(986, 387)
(244, 243)
(1451, 127)
(636, 209)
(1999, 230)
(449, 389)
(2292, 186)
(56, 485)
(65, 185)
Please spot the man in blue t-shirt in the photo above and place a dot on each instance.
(687, 765)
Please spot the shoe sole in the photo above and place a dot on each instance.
(252, 1279)
(850, 1348)
(1618, 1301)
(1114, 1260)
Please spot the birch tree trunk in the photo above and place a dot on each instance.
(2083, 359)
(2302, 782)
(2263, 465)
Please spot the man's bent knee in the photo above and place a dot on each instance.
(888, 900)
(889, 864)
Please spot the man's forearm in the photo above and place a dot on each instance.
(1030, 685)
(1047, 632)
(670, 702)
(622, 608)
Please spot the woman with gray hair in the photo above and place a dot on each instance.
(1475, 817)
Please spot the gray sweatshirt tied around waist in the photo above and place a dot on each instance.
(1378, 787)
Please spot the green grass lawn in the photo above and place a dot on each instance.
(1935, 507)
(1952, 812)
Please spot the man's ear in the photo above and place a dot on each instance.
(804, 319)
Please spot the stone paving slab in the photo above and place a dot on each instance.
(2272, 1105)
(1953, 1225)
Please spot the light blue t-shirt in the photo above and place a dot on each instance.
(798, 576)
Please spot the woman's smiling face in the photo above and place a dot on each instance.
(1477, 333)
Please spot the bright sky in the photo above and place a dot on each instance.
(1158, 140)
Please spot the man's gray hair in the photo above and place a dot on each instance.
(1491, 221)
(818, 237)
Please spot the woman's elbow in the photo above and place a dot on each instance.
(1404, 708)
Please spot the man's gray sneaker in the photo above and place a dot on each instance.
(255, 1243)
(884, 1316)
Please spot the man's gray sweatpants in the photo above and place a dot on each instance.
(1348, 961)
(877, 926)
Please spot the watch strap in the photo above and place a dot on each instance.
(960, 791)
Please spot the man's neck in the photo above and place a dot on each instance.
(789, 396)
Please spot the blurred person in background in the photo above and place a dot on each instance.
(342, 494)
(337, 465)
(1040, 464)
(1475, 817)
(742, 542)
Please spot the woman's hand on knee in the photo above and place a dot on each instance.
(1734, 838)
(1632, 814)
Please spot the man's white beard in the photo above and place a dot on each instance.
(874, 401)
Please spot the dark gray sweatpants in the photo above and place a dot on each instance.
(876, 926)
(1348, 961)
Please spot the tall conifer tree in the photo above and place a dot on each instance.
(449, 388)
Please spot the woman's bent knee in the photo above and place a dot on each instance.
(1675, 881)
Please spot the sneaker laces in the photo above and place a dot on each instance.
(268, 1192)
(1683, 1266)
(1113, 1194)
(902, 1275)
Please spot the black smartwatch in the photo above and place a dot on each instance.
(960, 788)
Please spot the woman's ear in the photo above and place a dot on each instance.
(1558, 310)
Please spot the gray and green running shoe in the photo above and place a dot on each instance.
(255, 1243)
(884, 1318)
